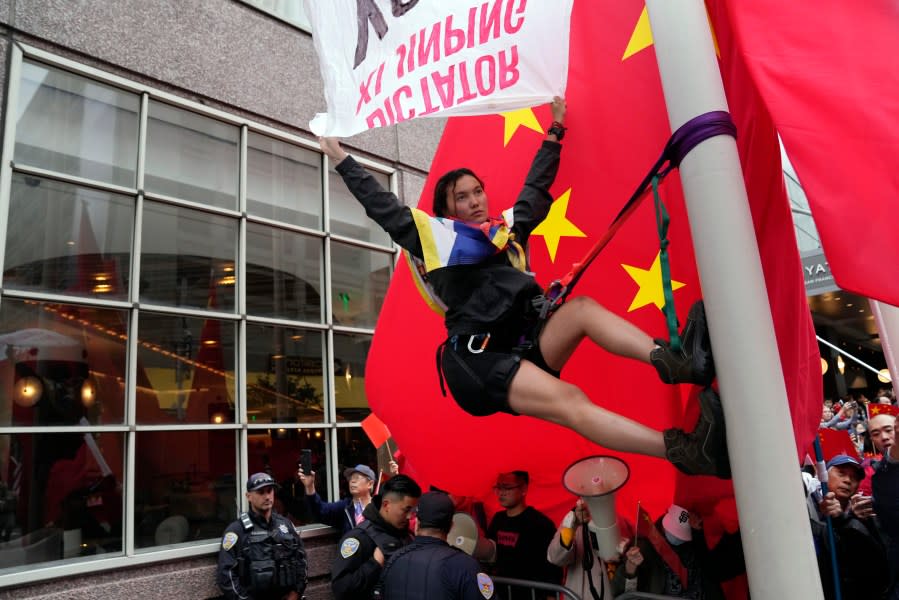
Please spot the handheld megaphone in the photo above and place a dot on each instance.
(465, 535)
(596, 479)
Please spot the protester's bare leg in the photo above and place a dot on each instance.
(538, 394)
(583, 317)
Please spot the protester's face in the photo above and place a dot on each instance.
(843, 481)
(883, 400)
(359, 484)
(398, 512)
(509, 491)
(827, 413)
(882, 430)
(466, 200)
(262, 500)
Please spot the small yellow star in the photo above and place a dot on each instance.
(650, 283)
(556, 225)
(642, 36)
(524, 117)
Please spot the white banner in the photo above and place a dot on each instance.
(387, 61)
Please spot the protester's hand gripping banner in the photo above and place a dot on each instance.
(387, 61)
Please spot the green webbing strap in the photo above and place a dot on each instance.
(662, 221)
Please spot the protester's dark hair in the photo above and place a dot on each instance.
(400, 486)
(447, 183)
(522, 476)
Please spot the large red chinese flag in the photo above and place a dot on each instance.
(827, 72)
(617, 127)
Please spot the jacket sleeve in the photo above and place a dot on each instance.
(227, 576)
(355, 575)
(534, 200)
(558, 554)
(383, 207)
(329, 513)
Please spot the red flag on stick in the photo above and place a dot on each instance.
(375, 429)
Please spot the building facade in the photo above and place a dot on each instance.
(188, 290)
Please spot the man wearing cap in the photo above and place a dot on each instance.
(262, 555)
(366, 548)
(346, 513)
(860, 550)
(429, 567)
(885, 487)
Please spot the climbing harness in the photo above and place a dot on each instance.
(687, 137)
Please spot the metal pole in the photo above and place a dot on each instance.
(887, 318)
(777, 539)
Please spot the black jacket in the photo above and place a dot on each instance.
(355, 572)
(487, 296)
(432, 569)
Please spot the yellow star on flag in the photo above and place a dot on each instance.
(524, 117)
(556, 225)
(642, 36)
(650, 282)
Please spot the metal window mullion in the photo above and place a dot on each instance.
(276, 322)
(73, 179)
(9, 146)
(333, 486)
(130, 475)
(68, 300)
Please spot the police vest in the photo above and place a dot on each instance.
(383, 540)
(417, 575)
(271, 560)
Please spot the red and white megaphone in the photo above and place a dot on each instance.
(596, 479)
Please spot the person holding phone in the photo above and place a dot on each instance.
(346, 513)
(859, 545)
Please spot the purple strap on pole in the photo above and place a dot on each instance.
(697, 130)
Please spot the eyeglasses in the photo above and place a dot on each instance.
(505, 488)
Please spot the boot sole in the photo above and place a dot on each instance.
(696, 332)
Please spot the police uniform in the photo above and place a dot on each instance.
(355, 572)
(430, 568)
(261, 560)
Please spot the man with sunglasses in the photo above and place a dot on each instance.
(521, 534)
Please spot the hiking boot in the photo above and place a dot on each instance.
(693, 363)
(703, 451)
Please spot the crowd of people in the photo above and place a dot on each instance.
(854, 507)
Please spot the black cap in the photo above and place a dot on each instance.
(257, 481)
(435, 511)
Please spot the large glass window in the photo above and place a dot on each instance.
(350, 356)
(285, 375)
(284, 274)
(64, 364)
(348, 218)
(284, 182)
(188, 258)
(277, 452)
(67, 239)
(60, 497)
(359, 280)
(76, 126)
(192, 157)
(184, 485)
(150, 327)
(185, 369)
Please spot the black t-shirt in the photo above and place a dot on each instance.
(521, 543)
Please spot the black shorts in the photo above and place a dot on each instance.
(479, 382)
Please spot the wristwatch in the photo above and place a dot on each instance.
(557, 129)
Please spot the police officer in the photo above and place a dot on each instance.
(366, 548)
(429, 567)
(262, 555)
